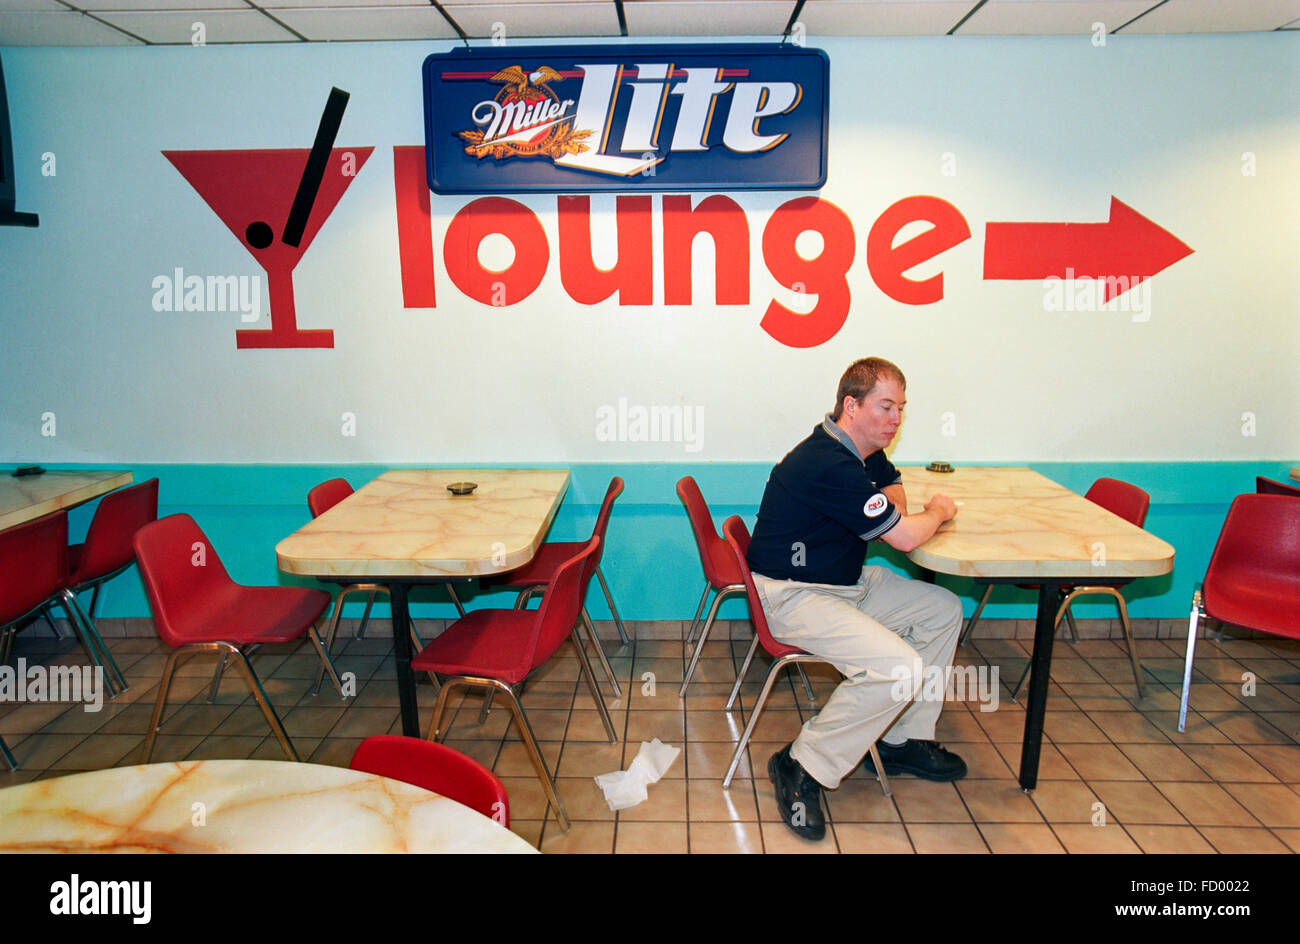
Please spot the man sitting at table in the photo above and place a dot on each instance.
(824, 501)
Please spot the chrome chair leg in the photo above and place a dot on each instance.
(600, 652)
(365, 615)
(327, 664)
(535, 754)
(217, 676)
(881, 776)
(88, 626)
(45, 613)
(1132, 646)
(160, 703)
(436, 733)
(690, 633)
(85, 636)
(807, 686)
(729, 590)
(1074, 630)
(618, 620)
(740, 676)
(975, 617)
(487, 707)
(1192, 620)
(585, 665)
(772, 673)
(246, 668)
(451, 592)
(8, 755)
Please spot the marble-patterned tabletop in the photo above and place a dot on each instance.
(1014, 522)
(407, 524)
(246, 806)
(31, 496)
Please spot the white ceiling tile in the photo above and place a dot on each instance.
(1217, 16)
(373, 24)
(689, 18)
(32, 6)
(220, 26)
(58, 29)
(95, 6)
(1051, 17)
(274, 5)
(479, 20)
(882, 17)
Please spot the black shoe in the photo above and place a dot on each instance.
(924, 759)
(798, 796)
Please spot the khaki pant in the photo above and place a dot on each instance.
(879, 633)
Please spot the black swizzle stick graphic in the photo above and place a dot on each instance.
(314, 172)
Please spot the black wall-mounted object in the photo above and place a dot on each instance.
(8, 215)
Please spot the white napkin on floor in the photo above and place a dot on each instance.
(625, 788)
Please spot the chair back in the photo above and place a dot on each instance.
(602, 520)
(737, 536)
(435, 767)
(183, 577)
(1265, 486)
(563, 602)
(107, 548)
(1121, 498)
(715, 556)
(1255, 567)
(326, 495)
(33, 564)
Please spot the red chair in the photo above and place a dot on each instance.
(33, 576)
(1253, 579)
(498, 649)
(720, 572)
(320, 500)
(107, 552)
(737, 536)
(435, 767)
(1265, 486)
(1128, 502)
(539, 573)
(198, 608)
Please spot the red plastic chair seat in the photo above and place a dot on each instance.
(247, 615)
(32, 564)
(434, 767)
(493, 643)
(1266, 603)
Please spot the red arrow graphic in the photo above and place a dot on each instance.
(1123, 251)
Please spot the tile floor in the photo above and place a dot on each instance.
(1115, 776)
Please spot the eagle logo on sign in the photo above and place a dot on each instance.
(525, 119)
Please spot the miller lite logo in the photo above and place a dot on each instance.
(626, 118)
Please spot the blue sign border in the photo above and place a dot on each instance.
(451, 171)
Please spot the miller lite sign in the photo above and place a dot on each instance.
(625, 118)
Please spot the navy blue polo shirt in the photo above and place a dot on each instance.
(822, 503)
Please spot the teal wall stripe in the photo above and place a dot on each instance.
(651, 564)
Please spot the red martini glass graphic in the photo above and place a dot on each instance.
(253, 192)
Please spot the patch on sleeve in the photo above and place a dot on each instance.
(875, 506)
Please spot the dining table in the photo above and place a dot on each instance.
(241, 806)
(27, 497)
(407, 528)
(1015, 525)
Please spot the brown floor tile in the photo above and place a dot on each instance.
(714, 726)
(1281, 760)
(582, 838)
(947, 839)
(529, 830)
(1237, 841)
(780, 839)
(1206, 804)
(921, 801)
(1005, 724)
(1289, 836)
(726, 838)
(1246, 727)
(859, 799)
(984, 761)
(957, 726)
(1130, 802)
(513, 760)
(1199, 730)
(1099, 762)
(1127, 727)
(1065, 801)
(1108, 839)
(998, 801)
(880, 838)
(1169, 840)
(641, 838)
(99, 751)
(1020, 838)
(548, 724)
(665, 803)
(667, 726)
(1273, 804)
(710, 760)
(1227, 763)
(708, 802)
(1163, 762)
